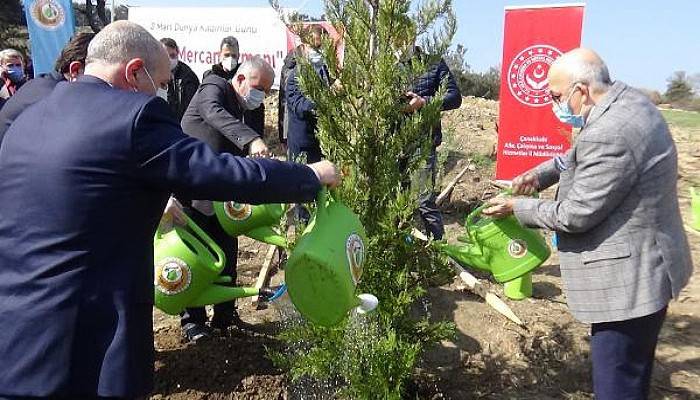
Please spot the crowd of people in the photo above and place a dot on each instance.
(122, 138)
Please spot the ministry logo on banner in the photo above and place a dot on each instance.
(527, 74)
(51, 25)
(48, 14)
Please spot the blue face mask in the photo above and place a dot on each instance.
(253, 99)
(15, 73)
(567, 116)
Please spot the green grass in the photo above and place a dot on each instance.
(682, 119)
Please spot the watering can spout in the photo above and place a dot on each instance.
(216, 294)
(467, 255)
(367, 303)
(267, 234)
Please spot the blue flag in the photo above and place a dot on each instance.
(51, 25)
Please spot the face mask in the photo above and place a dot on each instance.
(566, 115)
(162, 93)
(173, 63)
(253, 99)
(15, 73)
(314, 56)
(229, 63)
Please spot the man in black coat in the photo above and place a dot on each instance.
(216, 116)
(184, 82)
(424, 90)
(82, 191)
(69, 65)
(227, 69)
(290, 63)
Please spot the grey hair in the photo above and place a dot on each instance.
(122, 41)
(255, 63)
(11, 53)
(593, 73)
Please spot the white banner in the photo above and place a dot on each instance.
(199, 31)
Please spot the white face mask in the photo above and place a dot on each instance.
(162, 93)
(315, 56)
(229, 63)
(173, 63)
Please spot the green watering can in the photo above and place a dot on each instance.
(187, 267)
(502, 247)
(256, 222)
(695, 209)
(326, 265)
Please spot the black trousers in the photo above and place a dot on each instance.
(424, 181)
(623, 356)
(223, 312)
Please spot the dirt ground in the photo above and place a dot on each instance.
(489, 358)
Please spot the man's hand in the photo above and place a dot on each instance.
(258, 148)
(415, 103)
(327, 173)
(500, 207)
(526, 184)
(173, 215)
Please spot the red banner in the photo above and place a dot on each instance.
(528, 131)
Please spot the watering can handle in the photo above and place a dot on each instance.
(322, 200)
(478, 210)
(221, 258)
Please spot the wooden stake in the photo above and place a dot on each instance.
(445, 193)
(478, 287)
(264, 271)
(491, 298)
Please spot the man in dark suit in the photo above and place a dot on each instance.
(215, 116)
(69, 66)
(86, 175)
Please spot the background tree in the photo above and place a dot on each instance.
(485, 84)
(362, 127)
(679, 88)
(92, 13)
(13, 26)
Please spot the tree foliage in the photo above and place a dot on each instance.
(679, 89)
(363, 128)
(478, 84)
(13, 30)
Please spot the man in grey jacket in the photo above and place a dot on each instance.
(622, 248)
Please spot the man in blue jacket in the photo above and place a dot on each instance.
(69, 65)
(86, 174)
(301, 127)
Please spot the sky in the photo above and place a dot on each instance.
(642, 41)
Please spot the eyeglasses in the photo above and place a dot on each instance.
(557, 97)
